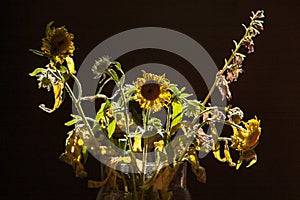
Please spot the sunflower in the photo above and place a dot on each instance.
(151, 91)
(248, 139)
(57, 44)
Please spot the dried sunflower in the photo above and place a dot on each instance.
(151, 91)
(243, 140)
(57, 45)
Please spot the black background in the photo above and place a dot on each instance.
(31, 140)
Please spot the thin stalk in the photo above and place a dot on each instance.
(100, 89)
(221, 72)
(125, 183)
(78, 86)
(76, 102)
(224, 139)
(146, 116)
(127, 132)
(168, 121)
(80, 111)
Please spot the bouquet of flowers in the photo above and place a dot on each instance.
(143, 154)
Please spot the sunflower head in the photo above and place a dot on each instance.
(247, 139)
(151, 91)
(57, 45)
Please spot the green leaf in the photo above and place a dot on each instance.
(107, 104)
(48, 27)
(111, 128)
(63, 69)
(37, 71)
(72, 122)
(130, 89)
(118, 66)
(197, 104)
(155, 122)
(184, 95)
(183, 89)
(101, 111)
(122, 79)
(75, 116)
(177, 109)
(36, 52)
(85, 154)
(114, 75)
(174, 89)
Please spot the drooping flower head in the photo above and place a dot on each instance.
(248, 139)
(151, 91)
(57, 45)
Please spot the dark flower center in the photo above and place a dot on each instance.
(60, 44)
(150, 91)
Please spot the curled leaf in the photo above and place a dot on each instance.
(37, 71)
(58, 91)
(197, 169)
(248, 155)
(224, 88)
(217, 153)
(227, 155)
(73, 153)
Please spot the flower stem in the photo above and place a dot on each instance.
(227, 63)
(127, 132)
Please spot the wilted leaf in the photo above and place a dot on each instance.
(164, 178)
(58, 91)
(73, 153)
(71, 65)
(224, 87)
(248, 155)
(39, 53)
(217, 153)
(227, 155)
(198, 170)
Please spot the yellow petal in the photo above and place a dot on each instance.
(137, 145)
(252, 162)
(217, 153)
(227, 155)
(159, 145)
(80, 142)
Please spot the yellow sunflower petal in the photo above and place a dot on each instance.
(151, 91)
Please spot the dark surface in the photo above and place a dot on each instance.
(31, 140)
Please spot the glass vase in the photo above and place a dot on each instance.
(177, 190)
